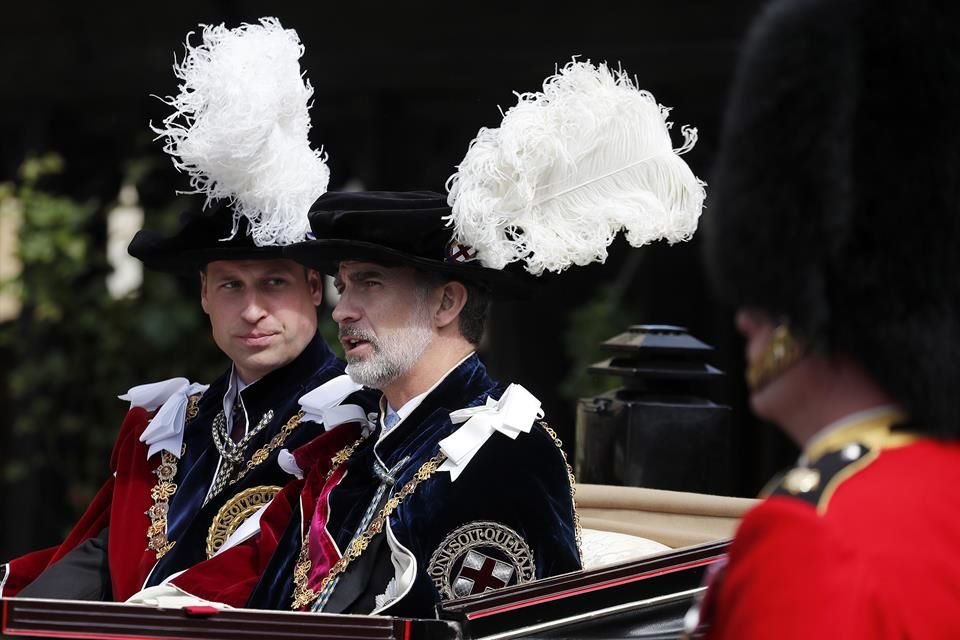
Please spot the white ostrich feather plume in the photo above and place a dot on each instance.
(569, 168)
(239, 128)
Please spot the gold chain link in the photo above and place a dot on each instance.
(165, 489)
(261, 454)
(303, 594)
(301, 571)
(573, 484)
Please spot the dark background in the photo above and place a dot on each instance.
(400, 90)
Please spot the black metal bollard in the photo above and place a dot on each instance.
(660, 430)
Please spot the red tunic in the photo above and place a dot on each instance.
(871, 551)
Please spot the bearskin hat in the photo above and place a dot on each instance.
(836, 194)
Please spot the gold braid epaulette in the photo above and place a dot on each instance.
(304, 595)
(165, 488)
(573, 484)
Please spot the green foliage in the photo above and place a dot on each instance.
(74, 348)
(329, 331)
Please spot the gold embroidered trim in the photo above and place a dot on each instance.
(261, 454)
(235, 512)
(164, 490)
(301, 571)
(573, 485)
(303, 594)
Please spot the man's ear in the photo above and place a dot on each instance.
(453, 296)
(315, 286)
(203, 292)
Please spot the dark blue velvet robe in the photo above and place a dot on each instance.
(189, 519)
(522, 484)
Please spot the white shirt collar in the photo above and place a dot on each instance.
(234, 387)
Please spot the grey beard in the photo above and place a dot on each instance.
(392, 357)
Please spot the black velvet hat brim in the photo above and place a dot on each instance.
(203, 237)
(172, 255)
(326, 254)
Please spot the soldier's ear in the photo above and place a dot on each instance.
(453, 296)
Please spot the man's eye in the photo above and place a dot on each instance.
(276, 282)
(230, 285)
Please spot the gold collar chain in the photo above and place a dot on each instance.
(303, 595)
(229, 450)
(573, 486)
(261, 454)
(301, 571)
(165, 489)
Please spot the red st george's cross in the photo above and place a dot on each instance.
(457, 252)
(483, 577)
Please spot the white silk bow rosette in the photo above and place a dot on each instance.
(324, 406)
(165, 431)
(514, 413)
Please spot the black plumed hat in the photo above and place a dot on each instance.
(396, 227)
(239, 128)
(203, 236)
(835, 199)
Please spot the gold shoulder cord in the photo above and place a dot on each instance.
(573, 484)
(303, 594)
(165, 488)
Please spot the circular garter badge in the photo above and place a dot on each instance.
(479, 557)
(234, 512)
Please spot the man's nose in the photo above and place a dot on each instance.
(345, 312)
(253, 309)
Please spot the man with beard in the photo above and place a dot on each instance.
(459, 490)
(834, 232)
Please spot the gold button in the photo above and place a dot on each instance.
(801, 480)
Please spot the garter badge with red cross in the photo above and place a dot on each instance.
(479, 557)
(459, 253)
